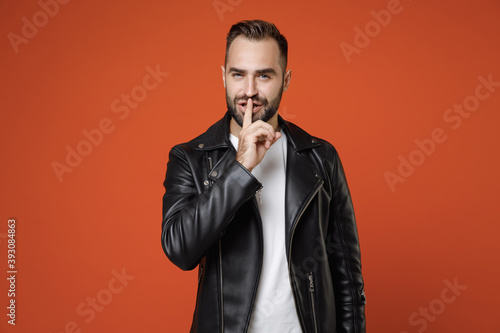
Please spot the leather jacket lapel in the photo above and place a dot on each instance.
(302, 177)
(302, 182)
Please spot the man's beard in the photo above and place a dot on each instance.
(267, 111)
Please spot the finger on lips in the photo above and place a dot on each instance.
(247, 118)
(263, 130)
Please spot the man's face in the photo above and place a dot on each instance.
(253, 70)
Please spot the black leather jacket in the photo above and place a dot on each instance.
(211, 220)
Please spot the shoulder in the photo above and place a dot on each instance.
(303, 140)
(215, 136)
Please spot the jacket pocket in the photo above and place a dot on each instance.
(312, 294)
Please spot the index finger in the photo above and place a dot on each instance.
(247, 118)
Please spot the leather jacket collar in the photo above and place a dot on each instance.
(217, 136)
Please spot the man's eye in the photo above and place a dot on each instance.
(236, 74)
(265, 76)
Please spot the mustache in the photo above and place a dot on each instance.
(262, 101)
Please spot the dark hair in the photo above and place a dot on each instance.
(258, 30)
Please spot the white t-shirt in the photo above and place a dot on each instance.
(274, 308)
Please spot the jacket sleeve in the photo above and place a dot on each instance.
(195, 216)
(345, 261)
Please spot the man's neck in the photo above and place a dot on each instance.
(235, 129)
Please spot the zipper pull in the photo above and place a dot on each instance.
(311, 283)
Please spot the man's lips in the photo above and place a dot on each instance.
(243, 105)
(243, 108)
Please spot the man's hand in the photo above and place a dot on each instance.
(254, 139)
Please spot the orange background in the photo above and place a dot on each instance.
(440, 224)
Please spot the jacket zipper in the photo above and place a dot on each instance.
(311, 293)
(210, 166)
(245, 330)
(318, 186)
(221, 287)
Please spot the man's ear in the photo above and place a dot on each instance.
(223, 75)
(286, 80)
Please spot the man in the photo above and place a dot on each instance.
(263, 208)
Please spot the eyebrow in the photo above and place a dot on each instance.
(268, 70)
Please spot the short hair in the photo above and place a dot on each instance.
(258, 30)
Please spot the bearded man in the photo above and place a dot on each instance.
(263, 209)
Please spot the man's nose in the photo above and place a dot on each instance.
(250, 89)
